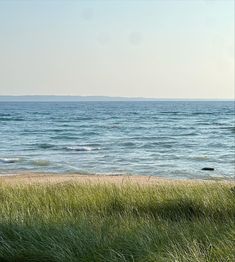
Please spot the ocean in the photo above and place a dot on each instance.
(172, 139)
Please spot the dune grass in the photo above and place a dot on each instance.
(75, 222)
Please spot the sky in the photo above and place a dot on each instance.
(132, 48)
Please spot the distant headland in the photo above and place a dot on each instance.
(58, 98)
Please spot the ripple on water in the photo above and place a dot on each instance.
(155, 138)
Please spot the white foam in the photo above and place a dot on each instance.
(9, 160)
(81, 148)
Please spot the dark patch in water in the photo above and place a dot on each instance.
(11, 119)
(170, 112)
(208, 169)
(187, 134)
(202, 113)
(128, 144)
(44, 146)
(232, 129)
(5, 115)
(229, 128)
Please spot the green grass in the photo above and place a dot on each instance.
(72, 222)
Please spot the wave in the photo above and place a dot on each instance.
(89, 133)
(9, 160)
(156, 145)
(64, 137)
(81, 148)
(90, 147)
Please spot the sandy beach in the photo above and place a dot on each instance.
(39, 178)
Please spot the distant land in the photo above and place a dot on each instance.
(50, 98)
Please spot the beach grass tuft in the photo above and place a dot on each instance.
(105, 222)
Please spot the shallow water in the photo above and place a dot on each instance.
(169, 139)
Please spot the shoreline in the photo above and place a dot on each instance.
(53, 178)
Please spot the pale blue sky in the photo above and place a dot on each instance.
(160, 49)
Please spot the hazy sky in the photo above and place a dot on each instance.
(152, 48)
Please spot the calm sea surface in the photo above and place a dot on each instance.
(169, 139)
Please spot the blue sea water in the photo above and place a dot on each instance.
(173, 139)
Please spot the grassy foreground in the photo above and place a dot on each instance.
(85, 222)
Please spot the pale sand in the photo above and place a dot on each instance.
(15, 179)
